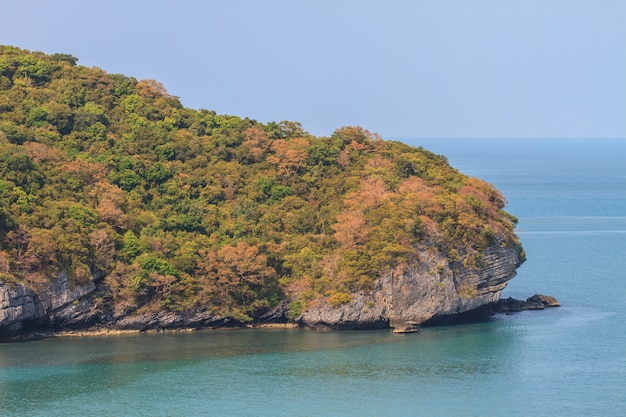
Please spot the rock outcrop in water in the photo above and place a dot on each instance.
(512, 305)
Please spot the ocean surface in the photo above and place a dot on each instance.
(570, 198)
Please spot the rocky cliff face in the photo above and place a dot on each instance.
(431, 287)
(59, 305)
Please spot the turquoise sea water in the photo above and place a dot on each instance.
(570, 198)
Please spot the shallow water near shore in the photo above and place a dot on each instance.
(570, 198)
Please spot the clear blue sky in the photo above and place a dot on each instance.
(405, 68)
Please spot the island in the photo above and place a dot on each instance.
(123, 210)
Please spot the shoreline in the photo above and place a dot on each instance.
(506, 306)
(98, 332)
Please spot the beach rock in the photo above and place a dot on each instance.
(404, 326)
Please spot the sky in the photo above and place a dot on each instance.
(400, 68)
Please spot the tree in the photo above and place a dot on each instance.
(70, 59)
(369, 195)
(244, 264)
(34, 68)
(350, 230)
(237, 274)
(150, 89)
(111, 203)
(103, 249)
(256, 141)
(289, 156)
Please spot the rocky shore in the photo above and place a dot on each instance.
(429, 291)
(144, 324)
(66, 312)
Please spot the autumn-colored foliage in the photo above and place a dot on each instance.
(174, 208)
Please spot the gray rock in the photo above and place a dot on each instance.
(404, 326)
(512, 305)
(546, 300)
(430, 287)
(21, 307)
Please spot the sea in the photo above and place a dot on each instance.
(570, 198)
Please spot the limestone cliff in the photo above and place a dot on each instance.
(58, 305)
(430, 287)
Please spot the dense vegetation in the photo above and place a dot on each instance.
(103, 175)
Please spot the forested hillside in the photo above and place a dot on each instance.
(105, 176)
